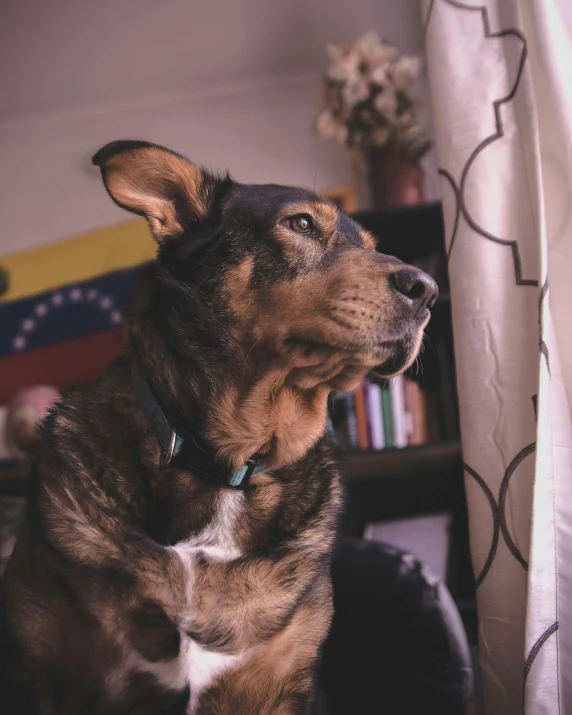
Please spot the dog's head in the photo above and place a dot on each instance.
(282, 278)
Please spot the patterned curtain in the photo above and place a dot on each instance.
(501, 86)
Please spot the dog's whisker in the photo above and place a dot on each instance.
(427, 341)
(254, 344)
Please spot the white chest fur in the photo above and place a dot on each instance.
(218, 536)
(196, 666)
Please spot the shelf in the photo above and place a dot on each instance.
(425, 460)
(358, 466)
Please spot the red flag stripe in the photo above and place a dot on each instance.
(61, 364)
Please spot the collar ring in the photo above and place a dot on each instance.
(167, 456)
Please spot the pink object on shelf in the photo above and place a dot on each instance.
(26, 410)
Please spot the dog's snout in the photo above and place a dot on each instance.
(420, 288)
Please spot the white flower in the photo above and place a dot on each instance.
(355, 91)
(383, 56)
(345, 64)
(368, 43)
(379, 75)
(386, 102)
(373, 52)
(405, 71)
(330, 127)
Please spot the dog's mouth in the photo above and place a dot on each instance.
(388, 355)
(352, 348)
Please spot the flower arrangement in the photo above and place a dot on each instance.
(367, 103)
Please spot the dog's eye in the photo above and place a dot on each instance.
(301, 223)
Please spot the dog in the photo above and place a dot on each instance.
(182, 509)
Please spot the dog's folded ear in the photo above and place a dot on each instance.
(168, 190)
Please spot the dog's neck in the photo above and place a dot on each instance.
(228, 400)
(268, 417)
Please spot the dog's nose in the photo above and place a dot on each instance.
(417, 286)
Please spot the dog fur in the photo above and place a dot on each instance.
(136, 587)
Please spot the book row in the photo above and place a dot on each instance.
(375, 417)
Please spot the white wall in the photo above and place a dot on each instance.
(230, 83)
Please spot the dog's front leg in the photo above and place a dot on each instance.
(276, 676)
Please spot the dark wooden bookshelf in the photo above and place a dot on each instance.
(407, 233)
(399, 483)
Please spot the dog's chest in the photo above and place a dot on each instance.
(217, 540)
(195, 665)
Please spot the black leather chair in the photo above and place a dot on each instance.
(397, 645)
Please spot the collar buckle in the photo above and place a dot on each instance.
(240, 477)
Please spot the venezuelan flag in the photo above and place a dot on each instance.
(60, 314)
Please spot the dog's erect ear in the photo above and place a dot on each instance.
(154, 182)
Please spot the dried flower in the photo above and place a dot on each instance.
(386, 101)
(405, 71)
(355, 91)
(345, 64)
(331, 128)
(366, 99)
(379, 75)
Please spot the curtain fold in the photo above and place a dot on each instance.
(501, 87)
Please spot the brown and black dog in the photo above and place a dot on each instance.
(182, 510)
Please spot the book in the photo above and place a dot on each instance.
(361, 418)
(365, 388)
(342, 414)
(387, 416)
(398, 411)
(416, 411)
(351, 421)
(375, 416)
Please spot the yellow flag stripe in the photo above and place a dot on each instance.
(77, 259)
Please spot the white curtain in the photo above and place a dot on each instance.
(500, 73)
